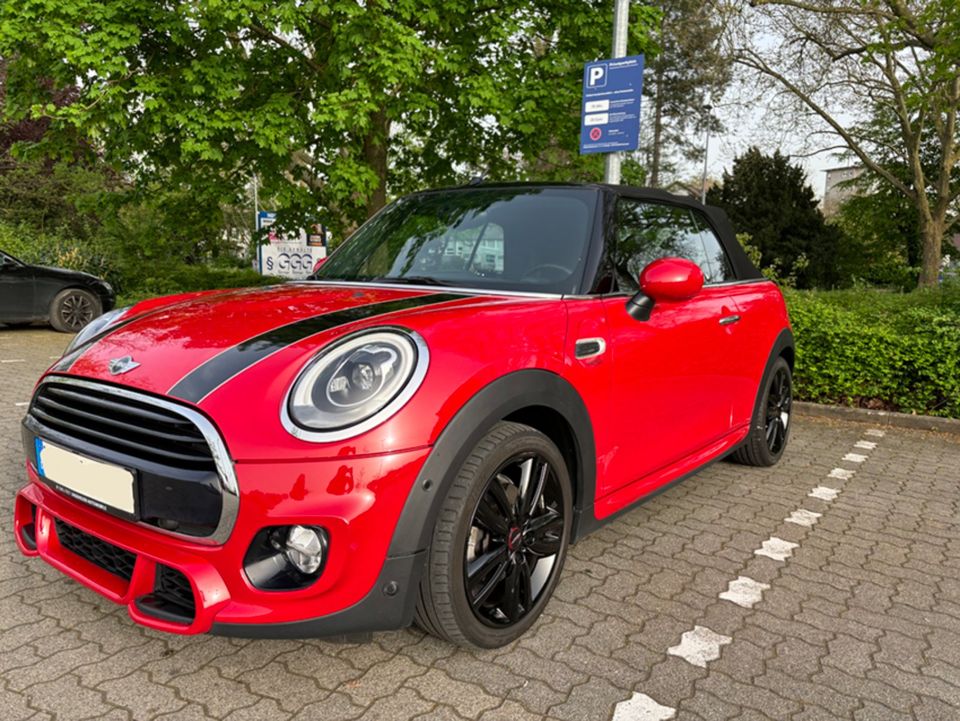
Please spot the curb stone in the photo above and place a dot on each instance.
(887, 418)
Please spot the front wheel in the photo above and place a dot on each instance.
(770, 427)
(500, 540)
(72, 309)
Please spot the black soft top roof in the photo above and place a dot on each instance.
(742, 265)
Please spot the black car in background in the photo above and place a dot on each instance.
(68, 299)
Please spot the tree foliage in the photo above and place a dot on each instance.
(867, 57)
(768, 198)
(689, 71)
(332, 104)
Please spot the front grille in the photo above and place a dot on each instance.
(135, 428)
(100, 553)
(173, 587)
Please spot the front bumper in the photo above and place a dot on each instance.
(358, 501)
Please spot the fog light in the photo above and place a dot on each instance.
(304, 548)
(286, 558)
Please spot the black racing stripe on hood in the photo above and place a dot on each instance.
(215, 372)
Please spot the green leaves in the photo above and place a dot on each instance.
(209, 91)
(878, 349)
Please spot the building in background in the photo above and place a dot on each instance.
(834, 192)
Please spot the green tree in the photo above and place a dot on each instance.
(331, 104)
(768, 198)
(688, 73)
(864, 56)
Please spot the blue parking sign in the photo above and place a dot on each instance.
(610, 109)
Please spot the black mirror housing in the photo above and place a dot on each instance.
(640, 306)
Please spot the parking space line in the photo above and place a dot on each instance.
(842, 473)
(824, 493)
(803, 517)
(700, 645)
(21, 405)
(14, 360)
(641, 707)
(745, 592)
(776, 548)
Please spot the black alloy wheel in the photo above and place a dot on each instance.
(770, 428)
(500, 539)
(72, 309)
(515, 536)
(779, 400)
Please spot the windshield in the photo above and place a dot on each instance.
(519, 239)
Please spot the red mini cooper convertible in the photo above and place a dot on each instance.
(476, 379)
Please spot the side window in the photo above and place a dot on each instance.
(647, 231)
(721, 269)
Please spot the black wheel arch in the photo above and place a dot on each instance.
(538, 398)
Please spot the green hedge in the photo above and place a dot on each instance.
(879, 349)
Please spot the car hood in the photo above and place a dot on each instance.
(65, 274)
(189, 348)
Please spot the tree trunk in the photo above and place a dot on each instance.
(375, 155)
(654, 180)
(931, 235)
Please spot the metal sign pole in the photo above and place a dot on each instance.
(621, 20)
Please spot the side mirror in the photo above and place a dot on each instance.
(665, 280)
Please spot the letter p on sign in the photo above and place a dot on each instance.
(597, 76)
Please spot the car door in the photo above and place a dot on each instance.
(671, 394)
(17, 290)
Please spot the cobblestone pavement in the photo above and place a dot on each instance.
(706, 603)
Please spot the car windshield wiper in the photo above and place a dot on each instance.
(410, 280)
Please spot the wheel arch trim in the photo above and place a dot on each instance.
(783, 346)
(494, 402)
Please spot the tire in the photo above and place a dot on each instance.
(526, 553)
(73, 308)
(770, 427)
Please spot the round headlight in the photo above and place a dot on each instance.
(355, 385)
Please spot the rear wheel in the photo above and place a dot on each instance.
(72, 309)
(500, 540)
(770, 428)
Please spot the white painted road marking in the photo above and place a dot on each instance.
(699, 646)
(824, 493)
(842, 473)
(20, 405)
(776, 548)
(854, 458)
(641, 707)
(14, 360)
(803, 517)
(875, 432)
(745, 592)
(866, 445)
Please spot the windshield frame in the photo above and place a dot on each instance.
(588, 265)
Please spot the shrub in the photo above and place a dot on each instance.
(879, 349)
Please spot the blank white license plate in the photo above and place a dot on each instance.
(98, 483)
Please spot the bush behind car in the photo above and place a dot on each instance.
(879, 349)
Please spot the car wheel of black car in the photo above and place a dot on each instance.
(72, 309)
(500, 540)
(770, 428)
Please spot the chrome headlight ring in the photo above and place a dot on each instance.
(355, 384)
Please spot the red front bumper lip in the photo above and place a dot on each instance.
(209, 591)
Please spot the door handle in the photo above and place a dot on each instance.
(729, 319)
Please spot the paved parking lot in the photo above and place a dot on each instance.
(825, 588)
